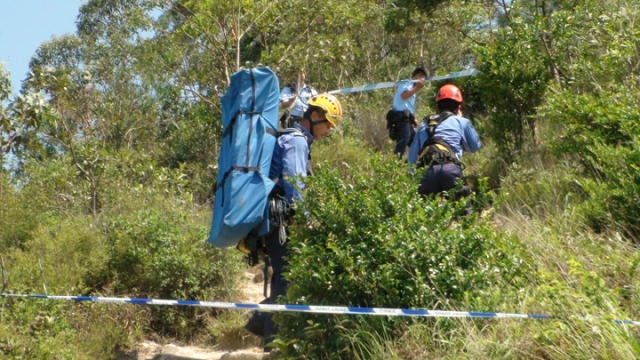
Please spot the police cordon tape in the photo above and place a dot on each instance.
(313, 309)
(383, 85)
(389, 84)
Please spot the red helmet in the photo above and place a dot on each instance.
(449, 92)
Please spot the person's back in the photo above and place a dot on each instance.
(456, 130)
(290, 159)
(442, 150)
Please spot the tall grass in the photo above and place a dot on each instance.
(584, 279)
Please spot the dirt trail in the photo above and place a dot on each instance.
(251, 286)
(152, 351)
(251, 291)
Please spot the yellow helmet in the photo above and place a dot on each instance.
(331, 107)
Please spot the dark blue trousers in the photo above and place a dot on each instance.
(441, 178)
(405, 136)
(261, 323)
(277, 256)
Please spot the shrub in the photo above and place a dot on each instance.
(601, 130)
(17, 218)
(165, 255)
(44, 329)
(513, 77)
(537, 187)
(61, 257)
(339, 150)
(367, 117)
(608, 117)
(374, 242)
(614, 193)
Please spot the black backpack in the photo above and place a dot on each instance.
(436, 150)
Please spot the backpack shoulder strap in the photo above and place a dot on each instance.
(432, 123)
(435, 148)
(434, 120)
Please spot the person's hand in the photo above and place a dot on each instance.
(419, 84)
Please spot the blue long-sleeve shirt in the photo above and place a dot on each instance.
(290, 159)
(457, 131)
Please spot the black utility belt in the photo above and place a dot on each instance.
(404, 116)
(405, 113)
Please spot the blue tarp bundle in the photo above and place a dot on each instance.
(250, 123)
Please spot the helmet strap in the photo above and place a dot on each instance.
(314, 123)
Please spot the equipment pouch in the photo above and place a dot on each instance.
(392, 124)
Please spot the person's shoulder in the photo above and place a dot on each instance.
(465, 121)
(292, 136)
(428, 118)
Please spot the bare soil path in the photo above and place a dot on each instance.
(251, 291)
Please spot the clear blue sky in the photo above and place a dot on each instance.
(25, 24)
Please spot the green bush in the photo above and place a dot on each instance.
(45, 329)
(366, 117)
(37, 331)
(513, 78)
(615, 193)
(190, 144)
(340, 150)
(165, 255)
(608, 117)
(373, 242)
(601, 130)
(17, 217)
(539, 188)
(61, 257)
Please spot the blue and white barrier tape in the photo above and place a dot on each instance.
(383, 85)
(389, 84)
(304, 308)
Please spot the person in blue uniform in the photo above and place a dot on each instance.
(404, 110)
(442, 151)
(295, 99)
(291, 157)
